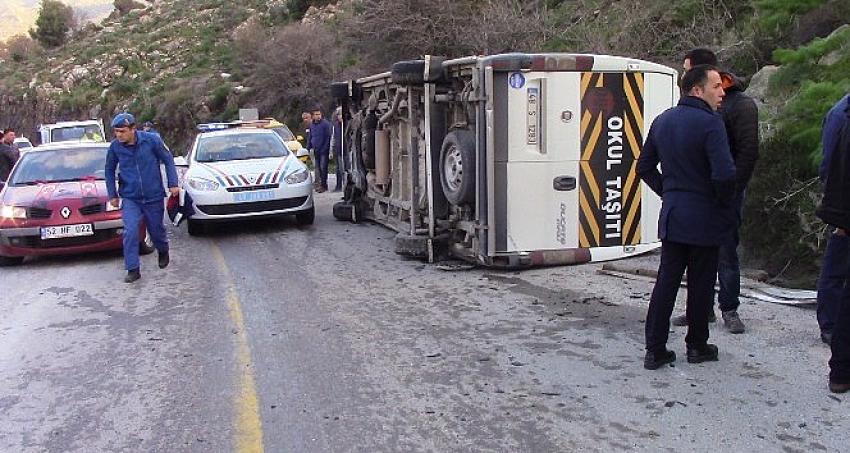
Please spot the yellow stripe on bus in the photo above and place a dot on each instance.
(591, 219)
(634, 144)
(639, 81)
(635, 202)
(582, 237)
(585, 81)
(635, 107)
(594, 137)
(585, 121)
(590, 179)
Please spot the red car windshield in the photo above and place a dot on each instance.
(59, 165)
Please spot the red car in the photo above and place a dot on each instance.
(55, 203)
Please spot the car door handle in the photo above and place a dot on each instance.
(564, 183)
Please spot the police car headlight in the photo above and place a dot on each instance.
(13, 212)
(297, 177)
(203, 184)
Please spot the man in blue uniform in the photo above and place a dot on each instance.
(138, 156)
(697, 187)
(320, 143)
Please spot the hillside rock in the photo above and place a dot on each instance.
(768, 107)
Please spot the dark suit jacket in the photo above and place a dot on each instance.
(697, 178)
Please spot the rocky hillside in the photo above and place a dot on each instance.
(180, 62)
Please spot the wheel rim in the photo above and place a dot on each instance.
(453, 169)
(148, 239)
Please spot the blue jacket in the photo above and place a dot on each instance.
(320, 136)
(697, 182)
(139, 175)
(835, 118)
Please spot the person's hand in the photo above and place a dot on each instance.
(114, 202)
(174, 190)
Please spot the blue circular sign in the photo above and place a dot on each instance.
(517, 80)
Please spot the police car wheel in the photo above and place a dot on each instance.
(195, 228)
(306, 217)
(146, 245)
(11, 260)
(457, 167)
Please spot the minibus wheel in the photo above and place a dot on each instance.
(457, 167)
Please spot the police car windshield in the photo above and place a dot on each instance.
(219, 148)
(284, 133)
(59, 165)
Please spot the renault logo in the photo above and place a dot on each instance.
(66, 212)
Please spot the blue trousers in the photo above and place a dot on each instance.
(322, 158)
(701, 264)
(729, 266)
(134, 212)
(834, 281)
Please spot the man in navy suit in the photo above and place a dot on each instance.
(697, 186)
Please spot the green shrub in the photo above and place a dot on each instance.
(774, 15)
(54, 20)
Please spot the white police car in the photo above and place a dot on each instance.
(237, 172)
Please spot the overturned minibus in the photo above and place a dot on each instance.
(509, 160)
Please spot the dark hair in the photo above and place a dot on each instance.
(697, 76)
(700, 56)
(7, 130)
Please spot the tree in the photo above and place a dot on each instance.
(19, 48)
(54, 20)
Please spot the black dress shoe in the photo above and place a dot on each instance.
(132, 276)
(655, 360)
(704, 353)
(836, 387)
(163, 259)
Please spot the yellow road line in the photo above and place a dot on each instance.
(249, 427)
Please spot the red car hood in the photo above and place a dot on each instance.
(56, 195)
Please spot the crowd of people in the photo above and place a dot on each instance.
(707, 147)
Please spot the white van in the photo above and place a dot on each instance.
(507, 160)
(77, 131)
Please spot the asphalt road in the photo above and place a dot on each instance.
(266, 336)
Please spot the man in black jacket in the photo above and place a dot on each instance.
(835, 270)
(834, 209)
(696, 188)
(740, 116)
(9, 153)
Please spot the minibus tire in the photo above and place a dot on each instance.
(342, 211)
(409, 72)
(458, 147)
(339, 90)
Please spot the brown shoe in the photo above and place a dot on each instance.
(836, 387)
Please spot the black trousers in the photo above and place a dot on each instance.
(701, 264)
(839, 363)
